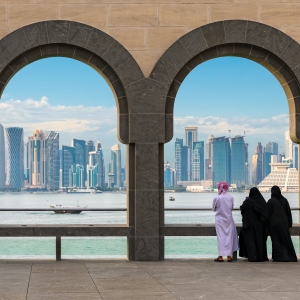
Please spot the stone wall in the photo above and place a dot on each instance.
(148, 27)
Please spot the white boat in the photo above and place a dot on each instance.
(171, 198)
(66, 209)
(84, 191)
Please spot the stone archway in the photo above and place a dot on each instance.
(268, 46)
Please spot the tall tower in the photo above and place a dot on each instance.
(68, 161)
(37, 159)
(288, 145)
(15, 161)
(178, 158)
(238, 160)
(221, 160)
(208, 158)
(2, 158)
(81, 155)
(115, 166)
(52, 160)
(96, 159)
(198, 161)
(259, 167)
(254, 169)
(191, 136)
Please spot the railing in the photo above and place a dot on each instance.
(70, 230)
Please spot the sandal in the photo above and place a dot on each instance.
(218, 260)
(230, 260)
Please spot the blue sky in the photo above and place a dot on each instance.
(68, 96)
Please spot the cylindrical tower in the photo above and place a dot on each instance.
(15, 161)
(2, 158)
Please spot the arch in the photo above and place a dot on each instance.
(73, 40)
(268, 46)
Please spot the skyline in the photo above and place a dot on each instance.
(71, 102)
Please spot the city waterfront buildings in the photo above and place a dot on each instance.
(2, 158)
(170, 179)
(208, 158)
(80, 154)
(178, 157)
(238, 160)
(115, 165)
(15, 160)
(221, 166)
(68, 160)
(52, 160)
(36, 158)
(96, 160)
(198, 161)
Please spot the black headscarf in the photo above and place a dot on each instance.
(276, 192)
(259, 203)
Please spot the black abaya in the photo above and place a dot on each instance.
(253, 235)
(280, 221)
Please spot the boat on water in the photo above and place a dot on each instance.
(60, 209)
(84, 191)
(171, 198)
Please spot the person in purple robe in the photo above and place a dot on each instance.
(225, 227)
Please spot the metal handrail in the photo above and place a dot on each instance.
(115, 209)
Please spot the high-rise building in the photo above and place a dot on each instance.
(185, 163)
(90, 147)
(15, 161)
(272, 147)
(52, 160)
(68, 160)
(208, 158)
(191, 136)
(96, 158)
(221, 160)
(81, 154)
(259, 168)
(178, 158)
(92, 176)
(2, 158)
(288, 145)
(115, 165)
(37, 159)
(296, 157)
(254, 168)
(198, 161)
(266, 164)
(77, 176)
(169, 176)
(238, 160)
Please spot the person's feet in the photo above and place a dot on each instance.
(219, 259)
(229, 259)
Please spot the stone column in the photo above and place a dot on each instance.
(145, 161)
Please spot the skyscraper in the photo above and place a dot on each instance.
(272, 147)
(288, 146)
(254, 168)
(185, 163)
(115, 165)
(191, 136)
(259, 167)
(15, 161)
(96, 158)
(208, 158)
(37, 159)
(178, 158)
(52, 160)
(169, 176)
(238, 159)
(67, 162)
(266, 164)
(81, 154)
(296, 157)
(198, 161)
(221, 160)
(2, 158)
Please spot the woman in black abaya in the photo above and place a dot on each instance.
(253, 234)
(280, 220)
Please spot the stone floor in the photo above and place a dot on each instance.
(170, 279)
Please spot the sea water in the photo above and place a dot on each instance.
(110, 247)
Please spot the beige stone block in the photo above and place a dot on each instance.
(163, 37)
(132, 38)
(293, 32)
(279, 15)
(3, 16)
(147, 59)
(219, 12)
(23, 14)
(188, 15)
(95, 15)
(108, 1)
(57, 1)
(133, 15)
(3, 32)
(15, 1)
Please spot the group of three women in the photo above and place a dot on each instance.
(260, 219)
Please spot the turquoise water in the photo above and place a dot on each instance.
(110, 247)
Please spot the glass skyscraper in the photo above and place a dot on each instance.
(238, 160)
(2, 158)
(178, 158)
(81, 154)
(15, 161)
(198, 161)
(221, 160)
(96, 158)
(115, 165)
(68, 161)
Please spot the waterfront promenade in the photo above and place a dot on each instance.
(166, 280)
